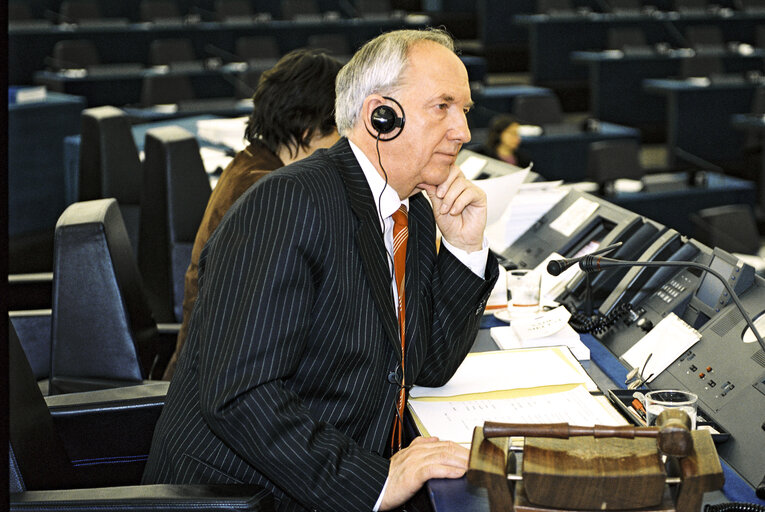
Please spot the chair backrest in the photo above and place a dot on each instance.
(704, 37)
(554, 6)
(609, 160)
(74, 11)
(75, 53)
(226, 9)
(538, 109)
(19, 10)
(732, 228)
(257, 47)
(109, 164)
(166, 89)
(175, 193)
(620, 37)
(367, 7)
(701, 65)
(158, 10)
(103, 332)
(169, 51)
(292, 9)
(753, 5)
(38, 459)
(691, 6)
(333, 44)
(618, 6)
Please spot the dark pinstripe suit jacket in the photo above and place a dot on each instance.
(284, 378)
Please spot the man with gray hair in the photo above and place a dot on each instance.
(324, 297)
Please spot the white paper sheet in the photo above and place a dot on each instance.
(455, 420)
(667, 341)
(511, 369)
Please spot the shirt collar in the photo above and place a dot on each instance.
(389, 202)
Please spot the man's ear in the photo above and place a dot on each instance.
(371, 102)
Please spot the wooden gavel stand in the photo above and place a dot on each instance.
(597, 468)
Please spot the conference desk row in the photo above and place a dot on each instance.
(123, 84)
(28, 48)
(608, 373)
(615, 80)
(553, 38)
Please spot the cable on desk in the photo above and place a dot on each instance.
(735, 506)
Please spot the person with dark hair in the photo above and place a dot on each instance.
(503, 140)
(323, 298)
(292, 116)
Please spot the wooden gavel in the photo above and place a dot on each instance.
(672, 431)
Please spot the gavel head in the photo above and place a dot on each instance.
(674, 437)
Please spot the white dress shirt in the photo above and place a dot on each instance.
(386, 203)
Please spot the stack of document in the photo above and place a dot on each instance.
(508, 338)
(541, 385)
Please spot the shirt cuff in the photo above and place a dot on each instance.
(475, 261)
(382, 493)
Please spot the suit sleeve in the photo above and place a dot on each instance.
(256, 296)
(458, 299)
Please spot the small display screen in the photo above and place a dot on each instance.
(711, 288)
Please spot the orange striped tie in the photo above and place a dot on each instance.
(400, 236)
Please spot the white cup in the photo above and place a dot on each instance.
(657, 401)
(523, 292)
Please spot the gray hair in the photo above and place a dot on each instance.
(376, 69)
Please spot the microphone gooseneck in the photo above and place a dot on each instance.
(557, 267)
(593, 263)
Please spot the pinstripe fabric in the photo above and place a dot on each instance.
(283, 380)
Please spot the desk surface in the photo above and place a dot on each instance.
(608, 373)
(616, 92)
(698, 114)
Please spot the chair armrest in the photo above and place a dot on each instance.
(107, 433)
(148, 498)
(33, 328)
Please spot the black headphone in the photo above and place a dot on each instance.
(384, 120)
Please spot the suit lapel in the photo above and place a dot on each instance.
(369, 238)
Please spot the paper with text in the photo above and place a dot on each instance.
(667, 341)
(455, 420)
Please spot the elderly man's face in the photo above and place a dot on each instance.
(435, 95)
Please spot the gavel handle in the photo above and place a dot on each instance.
(564, 430)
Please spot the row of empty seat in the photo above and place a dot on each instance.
(91, 11)
(83, 53)
(556, 7)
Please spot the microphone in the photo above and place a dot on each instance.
(593, 263)
(556, 267)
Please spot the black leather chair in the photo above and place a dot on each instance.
(103, 332)
(159, 11)
(77, 11)
(171, 51)
(34, 329)
(86, 451)
(609, 160)
(74, 54)
(300, 9)
(702, 65)
(732, 228)
(230, 10)
(538, 109)
(175, 192)
(110, 165)
(705, 38)
(166, 89)
(257, 48)
(333, 44)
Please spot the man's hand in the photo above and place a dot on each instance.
(423, 459)
(460, 210)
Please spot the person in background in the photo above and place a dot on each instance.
(313, 319)
(503, 140)
(293, 116)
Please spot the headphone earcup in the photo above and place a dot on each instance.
(384, 119)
